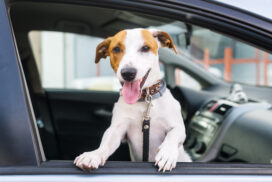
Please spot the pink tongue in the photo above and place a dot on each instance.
(131, 91)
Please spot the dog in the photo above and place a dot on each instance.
(134, 58)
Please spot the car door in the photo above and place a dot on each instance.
(64, 170)
(18, 133)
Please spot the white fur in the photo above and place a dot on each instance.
(167, 131)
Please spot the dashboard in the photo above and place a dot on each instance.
(223, 130)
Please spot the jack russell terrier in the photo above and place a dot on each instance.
(134, 58)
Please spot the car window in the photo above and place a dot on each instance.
(66, 60)
(70, 123)
(224, 57)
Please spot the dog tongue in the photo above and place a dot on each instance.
(131, 91)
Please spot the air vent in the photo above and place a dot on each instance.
(222, 109)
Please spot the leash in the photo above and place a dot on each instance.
(147, 96)
(146, 126)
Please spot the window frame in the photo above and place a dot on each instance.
(143, 168)
(169, 9)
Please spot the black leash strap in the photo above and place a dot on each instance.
(146, 125)
(145, 129)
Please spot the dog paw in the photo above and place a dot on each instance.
(90, 160)
(166, 158)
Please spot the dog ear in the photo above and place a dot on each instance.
(164, 39)
(102, 49)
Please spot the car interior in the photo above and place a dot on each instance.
(225, 122)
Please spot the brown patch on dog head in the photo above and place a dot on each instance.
(150, 41)
(165, 40)
(117, 42)
(108, 48)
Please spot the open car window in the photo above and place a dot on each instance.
(72, 114)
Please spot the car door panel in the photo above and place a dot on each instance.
(80, 118)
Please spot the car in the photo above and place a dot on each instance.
(56, 103)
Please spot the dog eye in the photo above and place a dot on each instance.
(145, 49)
(116, 49)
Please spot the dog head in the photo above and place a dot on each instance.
(133, 53)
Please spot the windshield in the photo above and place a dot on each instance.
(261, 7)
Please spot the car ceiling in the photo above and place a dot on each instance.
(77, 19)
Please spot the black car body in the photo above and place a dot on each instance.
(24, 152)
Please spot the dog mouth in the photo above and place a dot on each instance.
(131, 90)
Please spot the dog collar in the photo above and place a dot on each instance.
(155, 90)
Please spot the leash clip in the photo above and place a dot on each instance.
(148, 100)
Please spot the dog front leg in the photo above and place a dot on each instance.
(110, 142)
(168, 151)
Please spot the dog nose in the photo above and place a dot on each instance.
(128, 73)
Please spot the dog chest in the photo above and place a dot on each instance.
(135, 138)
